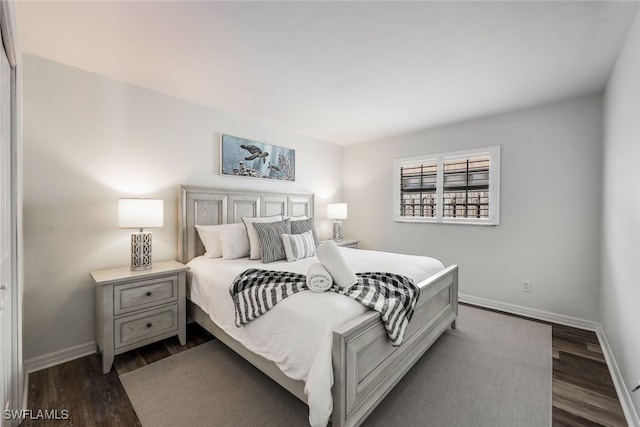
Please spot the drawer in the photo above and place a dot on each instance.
(144, 294)
(131, 329)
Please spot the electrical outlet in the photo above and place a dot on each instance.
(526, 286)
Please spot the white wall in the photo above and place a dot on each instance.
(550, 206)
(89, 140)
(620, 293)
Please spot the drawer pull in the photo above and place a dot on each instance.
(149, 325)
(148, 293)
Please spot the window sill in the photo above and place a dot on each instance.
(447, 221)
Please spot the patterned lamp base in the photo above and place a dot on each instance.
(141, 251)
(337, 230)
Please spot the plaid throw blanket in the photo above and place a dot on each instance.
(256, 291)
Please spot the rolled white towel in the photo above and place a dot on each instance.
(318, 278)
(331, 258)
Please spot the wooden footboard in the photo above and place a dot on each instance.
(366, 366)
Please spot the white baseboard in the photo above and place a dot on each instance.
(25, 391)
(533, 313)
(57, 357)
(622, 390)
(624, 394)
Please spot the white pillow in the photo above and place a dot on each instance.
(254, 243)
(298, 246)
(210, 236)
(234, 241)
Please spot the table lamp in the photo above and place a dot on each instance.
(141, 214)
(337, 211)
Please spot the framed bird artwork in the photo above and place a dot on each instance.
(245, 157)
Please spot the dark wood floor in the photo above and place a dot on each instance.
(583, 392)
(91, 398)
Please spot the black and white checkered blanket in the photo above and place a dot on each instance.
(256, 291)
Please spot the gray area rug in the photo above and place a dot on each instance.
(494, 370)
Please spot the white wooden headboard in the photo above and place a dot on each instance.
(213, 206)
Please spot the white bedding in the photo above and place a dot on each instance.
(297, 333)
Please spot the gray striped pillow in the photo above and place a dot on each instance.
(299, 226)
(270, 241)
(298, 246)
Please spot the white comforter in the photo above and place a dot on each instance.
(297, 333)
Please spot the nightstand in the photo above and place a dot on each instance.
(136, 308)
(345, 243)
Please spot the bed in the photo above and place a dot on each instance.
(363, 364)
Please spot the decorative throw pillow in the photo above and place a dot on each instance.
(270, 241)
(301, 226)
(298, 246)
(254, 244)
(210, 237)
(234, 241)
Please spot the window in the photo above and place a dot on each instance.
(460, 187)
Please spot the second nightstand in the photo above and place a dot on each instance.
(136, 308)
(345, 243)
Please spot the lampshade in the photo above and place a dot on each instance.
(337, 211)
(141, 213)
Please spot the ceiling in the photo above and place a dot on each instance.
(344, 72)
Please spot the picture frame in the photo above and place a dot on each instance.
(254, 159)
